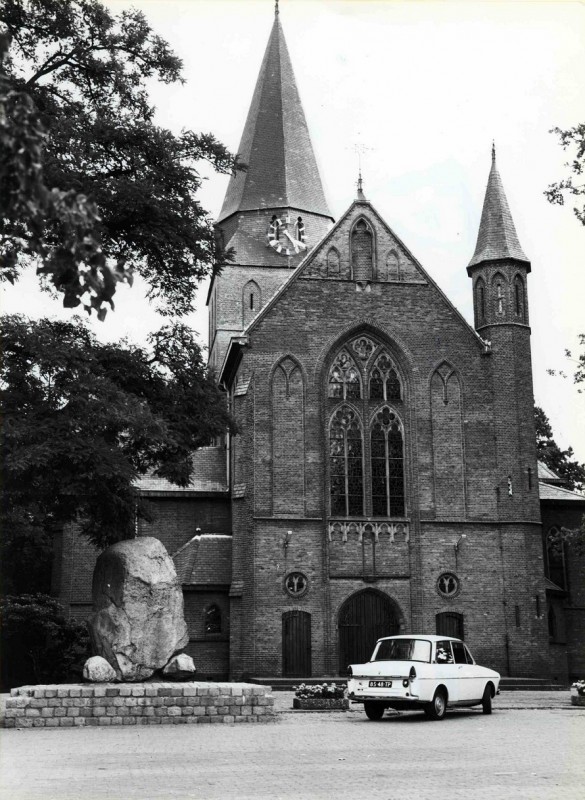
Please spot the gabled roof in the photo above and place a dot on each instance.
(546, 491)
(209, 475)
(547, 475)
(276, 146)
(206, 559)
(242, 339)
(497, 237)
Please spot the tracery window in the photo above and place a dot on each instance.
(387, 457)
(366, 433)
(346, 463)
(480, 300)
(384, 381)
(344, 378)
(519, 297)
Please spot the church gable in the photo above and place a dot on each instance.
(362, 248)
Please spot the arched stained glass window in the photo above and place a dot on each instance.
(346, 463)
(387, 458)
(344, 378)
(384, 381)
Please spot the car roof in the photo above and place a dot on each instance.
(431, 637)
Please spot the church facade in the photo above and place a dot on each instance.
(384, 478)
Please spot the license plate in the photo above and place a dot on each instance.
(380, 684)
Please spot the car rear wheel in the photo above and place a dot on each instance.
(374, 710)
(438, 706)
(486, 700)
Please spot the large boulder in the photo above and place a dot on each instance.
(138, 621)
(97, 670)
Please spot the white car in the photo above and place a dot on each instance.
(426, 672)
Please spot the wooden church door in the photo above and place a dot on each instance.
(296, 644)
(364, 618)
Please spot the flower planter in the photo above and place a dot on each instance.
(576, 698)
(321, 703)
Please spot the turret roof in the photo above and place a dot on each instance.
(497, 237)
(276, 146)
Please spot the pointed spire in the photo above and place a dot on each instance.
(497, 236)
(275, 145)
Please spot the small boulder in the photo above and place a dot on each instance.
(180, 668)
(138, 622)
(97, 670)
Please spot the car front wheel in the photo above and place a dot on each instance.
(374, 710)
(438, 706)
(486, 700)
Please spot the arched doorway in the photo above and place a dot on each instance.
(364, 618)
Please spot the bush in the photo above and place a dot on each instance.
(39, 645)
(580, 687)
(321, 690)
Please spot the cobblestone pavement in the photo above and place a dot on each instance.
(522, 751)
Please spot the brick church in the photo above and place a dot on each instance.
(384, 479)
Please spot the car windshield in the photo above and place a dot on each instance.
(403, 650)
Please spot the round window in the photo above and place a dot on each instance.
(296, 584)
(448, 584)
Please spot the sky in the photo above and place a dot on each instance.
(424, 88)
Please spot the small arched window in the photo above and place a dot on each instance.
(300, 229)
(519, 297)
(387, 454)
(212, 620)
(346, 463)
(344, 378)
(393, 266)
(333, 263)
(480, 300)
(499, 298)
(251, 301)
(362, 252)
(555, 567)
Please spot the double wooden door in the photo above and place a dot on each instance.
(296, 644)
(364, 618)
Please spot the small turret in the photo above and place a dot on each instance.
(499, 266)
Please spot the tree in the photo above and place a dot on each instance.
(573, 137)
(74, 259)
(82, 421)
(578, 364)
(560, 461)
(84, 72)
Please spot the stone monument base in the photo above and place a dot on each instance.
(152, 703)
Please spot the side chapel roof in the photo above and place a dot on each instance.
(276, 146)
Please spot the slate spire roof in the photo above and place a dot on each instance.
(497, 237)
(276, 146)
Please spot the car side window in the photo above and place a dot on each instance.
(443, 653)
(468, 655)
(459, 652)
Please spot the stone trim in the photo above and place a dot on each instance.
(153, 703)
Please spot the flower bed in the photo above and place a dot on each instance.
(321, 697)
(578, 693)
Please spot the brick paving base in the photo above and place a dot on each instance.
(107, 704)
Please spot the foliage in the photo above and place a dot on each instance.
(39, 645)
(77, 78)
(84, 420)
(324, 690)
(74, 258)
(579, 686)
(573, 137)
(578, 364)
(560, 461)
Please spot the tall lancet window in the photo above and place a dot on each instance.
(362, 252)
(346, 463)
(387, 456)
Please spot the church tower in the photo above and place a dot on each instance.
(499, 270)
(275, 211)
